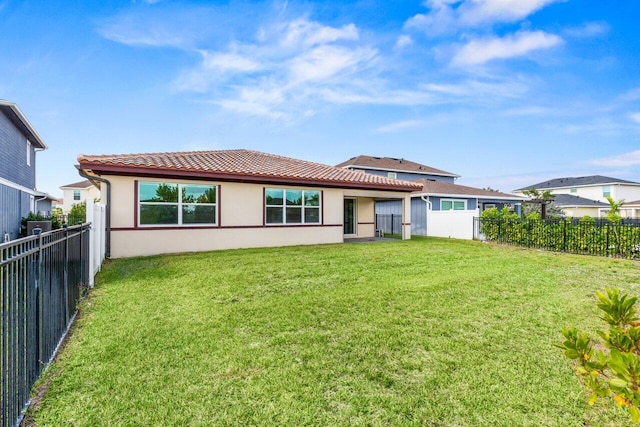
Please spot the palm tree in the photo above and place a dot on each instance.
(614, 210)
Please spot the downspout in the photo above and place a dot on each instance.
(427, 201)
(426, 214)
(107, 249)
(35, 203)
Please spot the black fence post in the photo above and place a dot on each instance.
(65, 280)
(39, 318)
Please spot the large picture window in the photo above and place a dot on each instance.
(292, 206)
(177, 204)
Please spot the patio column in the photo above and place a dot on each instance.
(406, 217)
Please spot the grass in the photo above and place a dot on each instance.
(427, 332)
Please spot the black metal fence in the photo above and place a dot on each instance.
(42, 278)
(389, 223)
(594, 237)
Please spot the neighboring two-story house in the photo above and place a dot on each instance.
(19, 143)
(587, 195)
(442, 207)
(77, 192)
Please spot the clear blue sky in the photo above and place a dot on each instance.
(504, 93)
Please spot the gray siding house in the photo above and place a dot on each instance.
(19, 143)
(440, 195)
(392, 167)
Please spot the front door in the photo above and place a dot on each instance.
(350, 217)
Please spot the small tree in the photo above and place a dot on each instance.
(541, 202)
(78, 213)
(610, 368)
(613, 215)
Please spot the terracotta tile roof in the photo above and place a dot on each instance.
(238, 165)
(445, 188)
(81, 184)
(393, 164)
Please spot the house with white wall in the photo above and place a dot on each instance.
(589, 194)
(77, 192)
(440, 208)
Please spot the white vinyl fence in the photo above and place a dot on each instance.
(455, 224)
(96, 216)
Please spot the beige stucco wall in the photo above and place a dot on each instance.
(579, 212)
(240, 224)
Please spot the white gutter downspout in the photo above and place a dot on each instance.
(426, 214)
(35, 203)
(427, 201)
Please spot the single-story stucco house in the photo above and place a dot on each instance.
(209, 200)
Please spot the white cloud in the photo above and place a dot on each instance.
(530, 110)
(378, 96)
(325, 62)
(479, 89)
(403, 41)
(441, 20)
(623, 160)
(588, 29)
(635, 116)
(449, 16)
(162, 26)
(630, 95)
(228, 62)
(490, 11)
(304, 33)
(285, 71)
(263, 100)
(520, 44)
(401, 125)
(152, 36)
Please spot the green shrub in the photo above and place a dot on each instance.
(77, 214)
(55, 222)
(610, 367)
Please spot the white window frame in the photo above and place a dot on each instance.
(453, 204)
(79, 199)
(393, 175)
(179, 204)
(283, 206)
(28, 153)
(606, 190)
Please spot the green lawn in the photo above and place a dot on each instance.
(427, 332)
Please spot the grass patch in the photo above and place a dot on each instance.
(427, 332)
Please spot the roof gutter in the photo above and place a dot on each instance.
(93, 179)
(473, 196)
